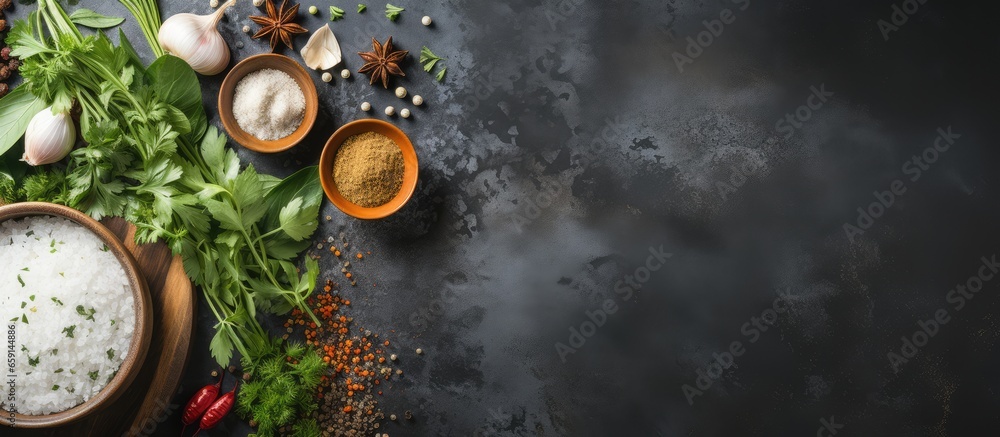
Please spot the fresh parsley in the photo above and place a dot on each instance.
(392, 12)
(87, 314)
(361, 8)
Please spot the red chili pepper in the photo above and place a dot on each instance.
(219, 409)
(200, 402)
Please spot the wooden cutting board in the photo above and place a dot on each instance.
(146, 403)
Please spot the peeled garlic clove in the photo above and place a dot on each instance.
(322, 51)
(195, 39)
(48, 138)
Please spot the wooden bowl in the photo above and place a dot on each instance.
(143, 319)
(260, 62)
(410, 168)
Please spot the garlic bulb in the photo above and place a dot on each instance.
(195, 39)
(49, 137)
(322, 51)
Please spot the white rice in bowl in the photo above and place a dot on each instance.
(71, 304)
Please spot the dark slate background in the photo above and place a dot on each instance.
(566, 143)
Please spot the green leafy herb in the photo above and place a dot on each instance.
(93, 375)
(89, 18)
(24, 319)
(111, 354)
(152, 158)
(23, 304)
(20, 280)
(55, 387)
(59, 370)
(87, 314)
(34, 361)
(280, 392)
(31, 298)
(57, 301)
(16, 110)
(429, 60)
(361, 8)
(25, 270)
(336, 13)
(392, 12)
(69, 331)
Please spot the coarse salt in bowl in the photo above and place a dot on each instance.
(77, 308)
(227, 94)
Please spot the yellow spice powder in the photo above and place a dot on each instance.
(368, 169)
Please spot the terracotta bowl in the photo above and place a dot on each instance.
(410, 168)
(143, 319)
(260, 62)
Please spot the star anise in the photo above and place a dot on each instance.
(278, 24)
(382, 62)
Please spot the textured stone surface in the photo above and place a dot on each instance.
(565, 144)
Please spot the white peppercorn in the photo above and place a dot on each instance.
(345, 73)
(213, 3)
(327, 77)
(426, 20)
(417, 100)
(390, 111)
(405, 113)
(313, 10)
(401, 92)
(258, 3)
(246, 29)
